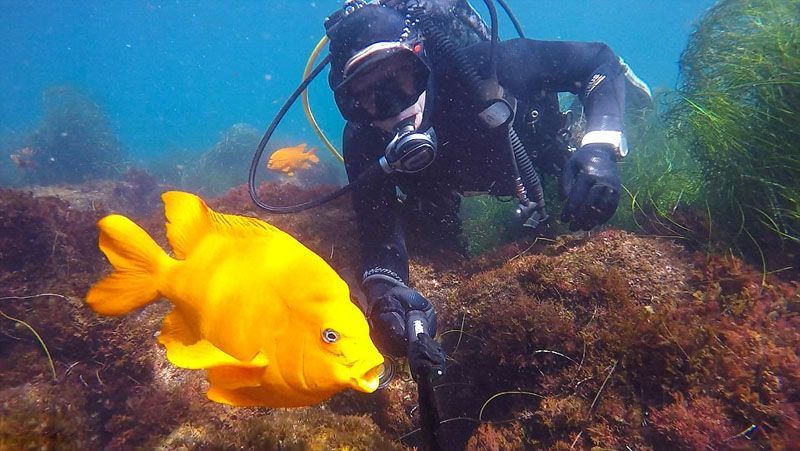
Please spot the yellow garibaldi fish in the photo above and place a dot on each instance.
(269, 320)
(291, 159)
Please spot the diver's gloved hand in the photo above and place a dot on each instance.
(387, 313)
(426, 354)
(591, 184)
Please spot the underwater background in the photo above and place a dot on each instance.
(673, 327)
(175, 74)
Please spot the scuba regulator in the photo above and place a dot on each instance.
(410, 150)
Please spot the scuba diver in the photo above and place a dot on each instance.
(395, 88)
(443, 119)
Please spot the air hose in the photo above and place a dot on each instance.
(529, 185)
(446, 49)
(527, 174)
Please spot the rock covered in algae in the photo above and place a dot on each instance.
(606, 339)
(618, 340)
(113, 386)
(73, 142)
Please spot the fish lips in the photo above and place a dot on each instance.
(366, 375)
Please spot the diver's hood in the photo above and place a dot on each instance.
(360, 29)
(377, 65)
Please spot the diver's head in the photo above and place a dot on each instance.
(378, 75)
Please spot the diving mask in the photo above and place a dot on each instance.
(381, 81)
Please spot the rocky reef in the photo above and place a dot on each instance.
(73, 142)
(607, 340)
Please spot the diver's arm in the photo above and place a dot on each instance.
(591, 180)
(383, 249)
(589, 69)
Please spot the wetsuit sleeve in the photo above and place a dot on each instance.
(383, 248)
(589, 69)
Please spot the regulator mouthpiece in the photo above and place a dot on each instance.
(409, 151)
(387, 373)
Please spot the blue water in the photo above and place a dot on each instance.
(174, 74)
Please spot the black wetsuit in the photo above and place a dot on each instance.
(469, 158)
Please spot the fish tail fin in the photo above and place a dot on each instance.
(312, 155)
(138, 263)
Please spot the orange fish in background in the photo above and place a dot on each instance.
(24, 158)
(291, 159)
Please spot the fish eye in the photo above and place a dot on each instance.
(330, 336)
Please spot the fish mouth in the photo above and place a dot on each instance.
(368, 379)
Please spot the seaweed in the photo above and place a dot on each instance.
(73, 142)
(738, 106)
(226, 163)
(299, 429)
(617, 341)
(696, 423)
(605, 339)
(487, 222)
(489, 437)
(663, 186)
(43, 239)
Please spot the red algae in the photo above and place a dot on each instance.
(607, 340)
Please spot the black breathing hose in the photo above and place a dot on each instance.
(526, 170)
(511, 17)
(531, 184)
(251, 179)
(446, 49)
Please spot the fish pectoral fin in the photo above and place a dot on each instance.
(231, 377)
(185, 349)
(233, 398)
(200, 355)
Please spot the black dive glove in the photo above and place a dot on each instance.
(591, 184)
(426, 353)
(387, 313)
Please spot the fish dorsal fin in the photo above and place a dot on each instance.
(189, 219)
(301, 147)
(240, 226)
